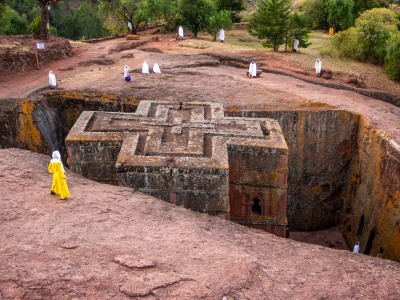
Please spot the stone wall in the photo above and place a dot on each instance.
(373, 195)
(189, 154)
(321, 146)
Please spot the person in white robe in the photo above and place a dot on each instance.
(318, 67)
(145, 68)
(252, 70)
(52, 80)
(180, 33)
(156, 68)
(296, 45)
(356, 247)
(222, 35)
(127, 73)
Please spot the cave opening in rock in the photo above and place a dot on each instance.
(370, 242)
(256, 207)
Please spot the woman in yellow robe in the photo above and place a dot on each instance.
(59, 185)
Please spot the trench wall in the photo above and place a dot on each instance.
(321, 146)
(42, 124)
(341, 170)
(373, 195)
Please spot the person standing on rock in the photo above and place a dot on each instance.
(318, 67)
(127, 73)
(180, 33)
(145, 68)
(222, 35)
(52, 80)
(156, 68)
(252, 70)
(59, 185)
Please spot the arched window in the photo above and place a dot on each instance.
(256, 208)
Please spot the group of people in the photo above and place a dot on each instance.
(221, 34)
(145, 70)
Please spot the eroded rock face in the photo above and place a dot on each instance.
(373, 195)
(341, 170)
(191, 155)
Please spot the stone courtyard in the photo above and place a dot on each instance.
(191, 155)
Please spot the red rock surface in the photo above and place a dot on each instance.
(112, 242)
(109, 242)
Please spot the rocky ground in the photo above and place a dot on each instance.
(109, 242)
(112, 242)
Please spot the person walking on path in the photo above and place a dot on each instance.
(318, 67)
(59, 185)
(127, 73)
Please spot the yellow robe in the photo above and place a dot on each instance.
(59, 185)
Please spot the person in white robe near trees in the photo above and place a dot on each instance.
(52, 80)
(252, 70)
(222, 35)
(180, 32)
(156, 68)
(318, 67)
(296, 45)
(145, 68)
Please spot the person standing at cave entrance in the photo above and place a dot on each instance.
(52, 80)
(59, 185)
(145, 68)
(252, 70)
(222, 35)
(180, 33)
(356, 247)
(127, 73)
(318, 67)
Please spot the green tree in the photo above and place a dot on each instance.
(233, 6)
(271, 22)
(314, 12)
(374, 28)
(368, 40)
(339, 13)
(87, 22)
(35, 25)
(298, 29)
(164, 9)
(362, 5)
(217, 21)
(195, 14)
(11, 23)
(392, 59)
(44, 29)
(124, 11)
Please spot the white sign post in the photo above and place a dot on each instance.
(39, 46)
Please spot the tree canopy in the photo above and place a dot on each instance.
(195, 14)
(271, 22)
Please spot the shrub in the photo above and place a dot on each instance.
(11, 23)
(34, 27)
(392, 59)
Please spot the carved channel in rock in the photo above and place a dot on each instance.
(341, 171)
